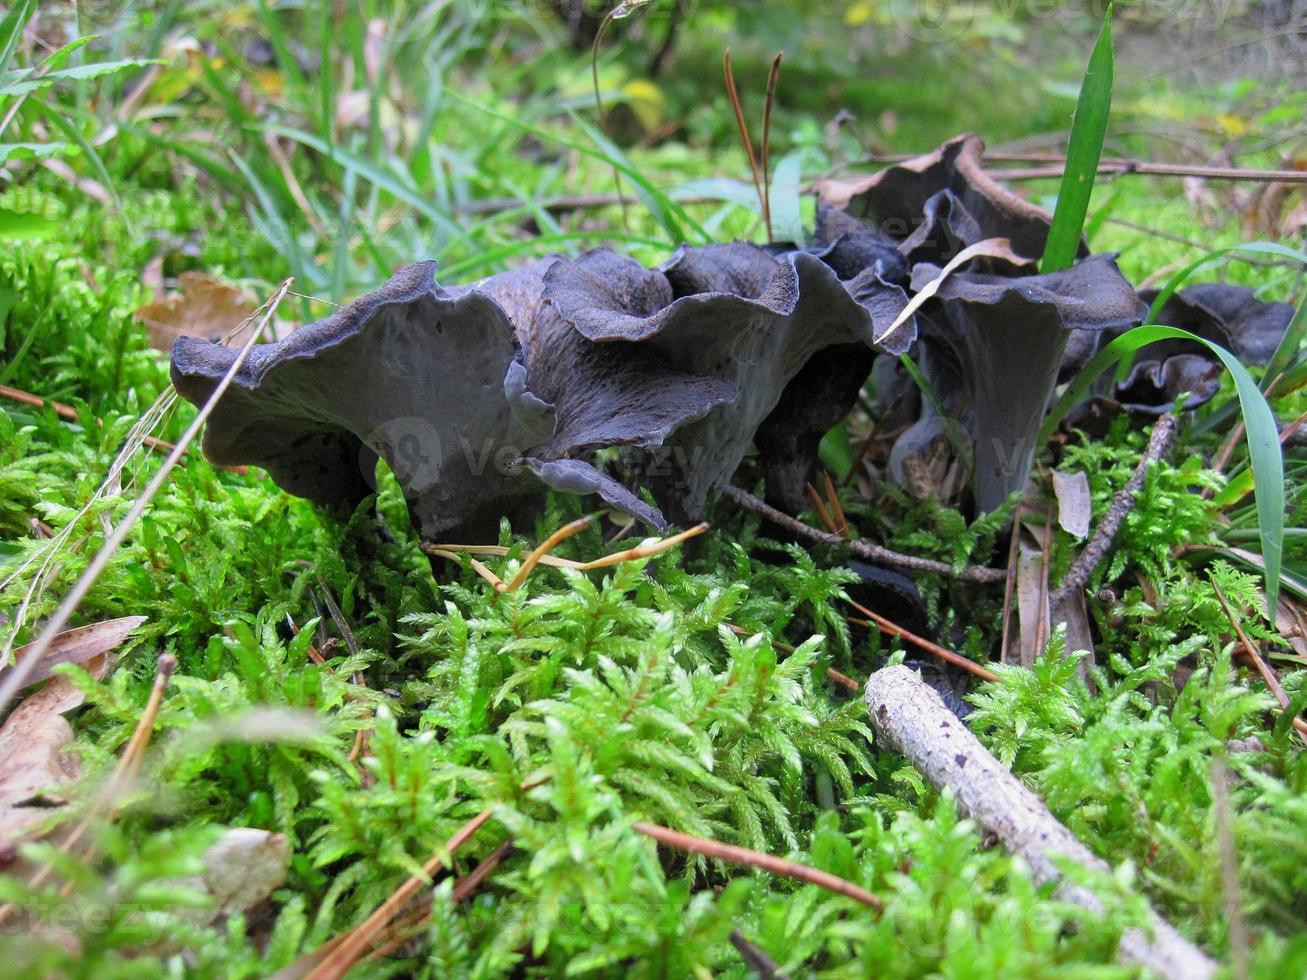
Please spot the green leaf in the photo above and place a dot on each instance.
(1262, 436)
(20, 224)
(786, 202)
(1286, 352)
(31, 151)
(26, 81)
(1088, 127)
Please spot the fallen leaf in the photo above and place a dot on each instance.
(34, 756)
(1074, 504)
(78, 646)
(206, 308)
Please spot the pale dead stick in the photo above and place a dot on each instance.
(15, 681)
(910, 718)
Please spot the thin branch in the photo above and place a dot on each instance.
(732, 854)
(1077, 577)
(1117, 165)
(910, 717)
(863, 549)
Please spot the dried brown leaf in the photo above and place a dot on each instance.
(206, 308)
(79, 646)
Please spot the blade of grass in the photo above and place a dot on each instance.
(1286, 352)
(11, 30)
(1181, 276)
(1085, 148)
(1262, 436)
(373, 174)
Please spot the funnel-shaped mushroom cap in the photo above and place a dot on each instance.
(1008, 336)
(755, 340)
(413, 373)
(937, 204)
(469, 393)
(1231, 316)
(1149, 390)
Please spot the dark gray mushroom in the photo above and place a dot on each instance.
(1231, 316)
(757, 340)
(413, 373)
(1006, 337)
(937, 204)
(827, 387)
(1150, 390)
(478, 394)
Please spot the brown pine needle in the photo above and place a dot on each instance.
(733, 94)
(1263, 668)
(844, 680)
(465, 886)
(836, 508)
(355, 944)
(893, 629)
(822, 513)
(546, 546)
(732, 854)
(540, 556)
(70, 414)
(772, 77)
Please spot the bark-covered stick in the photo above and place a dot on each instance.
(911, 719)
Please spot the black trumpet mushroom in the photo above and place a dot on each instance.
(1003, 338)
(480, 396)
(1230, 316)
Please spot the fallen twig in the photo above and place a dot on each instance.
(912, 719)
(1077, 576)
(863, 549)
(1118, 165)
(732, 854)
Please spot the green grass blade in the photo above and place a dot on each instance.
(11, 30)
(1267, 463)
(1088, 128)
(373, 174)
(1286, 352)
(1181, 276)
